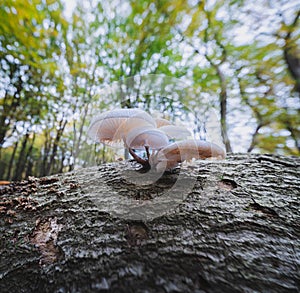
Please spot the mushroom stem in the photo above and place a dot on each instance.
(144, 163)
(147, 152)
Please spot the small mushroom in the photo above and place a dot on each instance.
(186, 150)
(175, 132)
(162, 122)
(145, 138)
(141, 137)
(112, 126)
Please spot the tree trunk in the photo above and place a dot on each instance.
(11, 161)
(226, 226)
(21, 158)
(29, 157)
(59, 133)
(291, 53)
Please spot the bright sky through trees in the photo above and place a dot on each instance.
(241, 56)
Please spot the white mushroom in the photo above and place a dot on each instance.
(186, 150)
(113, 126)
(141, 137)
(175, 132)
(162, 122)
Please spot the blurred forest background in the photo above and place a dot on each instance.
(55, 56)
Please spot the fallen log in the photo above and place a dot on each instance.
(225, 226)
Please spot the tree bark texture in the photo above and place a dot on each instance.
(235, 229)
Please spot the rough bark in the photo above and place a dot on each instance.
(236, 229)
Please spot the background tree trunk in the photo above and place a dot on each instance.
(236, 230)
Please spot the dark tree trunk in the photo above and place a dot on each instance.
(234, 228)
(12, 159)
(29, 158)
(78, 137)
(291, 53)
(60, 130)
(21, 158)
(223, 109)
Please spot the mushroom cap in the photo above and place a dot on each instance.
(176, 132)
(186, 150)
(162, 122)
(146, 136)
(113, 126)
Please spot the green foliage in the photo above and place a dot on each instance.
(53, 66)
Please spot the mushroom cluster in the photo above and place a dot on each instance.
(140, 131)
